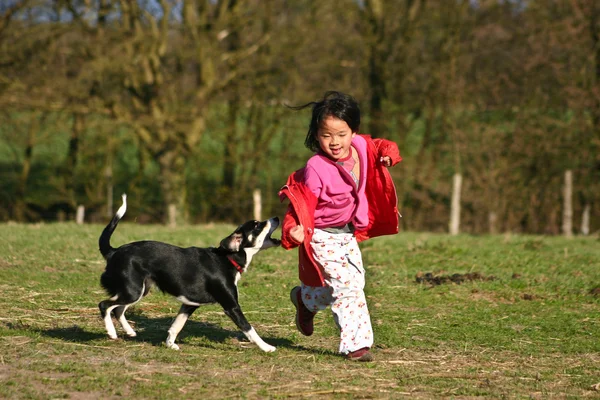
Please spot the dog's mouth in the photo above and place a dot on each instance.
(269, 241)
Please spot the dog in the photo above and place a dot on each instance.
(193, 275)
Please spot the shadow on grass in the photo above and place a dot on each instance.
(150, 330)
(154, 330)
(71, 334)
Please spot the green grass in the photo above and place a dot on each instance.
(533, 331)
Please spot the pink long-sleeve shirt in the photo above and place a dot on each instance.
(340, 201)
(381, 195)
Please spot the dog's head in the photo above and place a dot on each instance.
(252, 235)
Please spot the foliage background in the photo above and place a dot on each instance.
(182, 103)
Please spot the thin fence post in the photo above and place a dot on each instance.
(79, 217)
(455, 205)
(257, 198)
(585, 220)
(567, 223)
(492, 221)
(172, 211)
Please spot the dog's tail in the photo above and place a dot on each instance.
(104, 241)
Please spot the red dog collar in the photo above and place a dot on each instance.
(236, 265)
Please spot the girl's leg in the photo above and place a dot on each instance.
(340, 257)
(316, 298)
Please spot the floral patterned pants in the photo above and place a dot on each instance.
(341, 262)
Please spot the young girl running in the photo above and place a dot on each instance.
(342, 196)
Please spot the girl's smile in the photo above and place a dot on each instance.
(335, 138)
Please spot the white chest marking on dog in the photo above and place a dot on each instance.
(185, 301)
(249, 254)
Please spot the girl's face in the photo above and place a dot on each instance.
(335, 138)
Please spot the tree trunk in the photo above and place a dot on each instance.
(375, 14)
(377, 85)
(108, 176)
(230, 158)
(71, 161)
(567, 223)
(20, 209)
(455, 205)
(20, 205)
(171, 181)
(595, 33)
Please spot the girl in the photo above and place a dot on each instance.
(342, 196)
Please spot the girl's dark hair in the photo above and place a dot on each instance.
(336, 104)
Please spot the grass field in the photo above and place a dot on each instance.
(529, 328)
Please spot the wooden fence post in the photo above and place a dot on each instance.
(585, 219)
(256, 196)
(172, 211)
(492, 221)
(79, 217)
(567, 220)
(455, 205)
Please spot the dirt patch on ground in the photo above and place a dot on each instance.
(433, 279)
(5, 263)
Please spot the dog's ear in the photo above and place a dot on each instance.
(232, 242)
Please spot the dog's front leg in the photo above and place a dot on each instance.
(184, 313)
(240, 320)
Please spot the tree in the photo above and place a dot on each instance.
(388, 28)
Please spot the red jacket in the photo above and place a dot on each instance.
(381, 196)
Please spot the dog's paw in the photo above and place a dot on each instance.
(267, 348)
(131, 334)
(172, 346)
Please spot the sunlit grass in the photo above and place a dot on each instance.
(530, 328)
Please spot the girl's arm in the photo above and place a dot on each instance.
(290, 221)
(387, 152)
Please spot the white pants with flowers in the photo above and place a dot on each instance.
(341, 262)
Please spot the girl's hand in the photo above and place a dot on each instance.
(297, 233)
(386, 160)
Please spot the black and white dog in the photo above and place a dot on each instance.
(193, 275)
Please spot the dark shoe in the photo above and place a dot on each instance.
(304, 317)
(362, 355)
